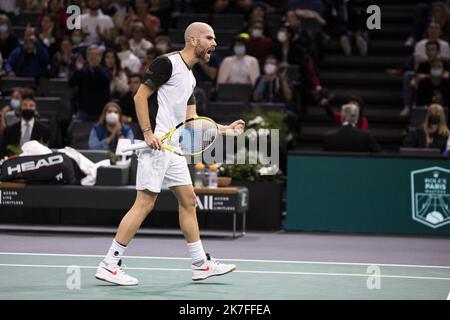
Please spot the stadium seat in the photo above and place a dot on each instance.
(185, 19)
(234, 92)
(227, 21)
(8, 84)
(79, 134)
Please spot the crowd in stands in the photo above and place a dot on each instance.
(103, 63)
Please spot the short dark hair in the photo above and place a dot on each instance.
(433, 42)
(135, 75)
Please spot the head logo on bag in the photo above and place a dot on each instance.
(34, 165)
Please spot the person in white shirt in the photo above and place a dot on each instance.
(434, 33)
(98, 26)
(129, 61)
(239, 68)
(138, 44)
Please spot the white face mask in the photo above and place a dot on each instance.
(257, 33)
(281, 36)
(162, 47)
(15, 103)
(112, 118)
(270, 68)
(239, 50)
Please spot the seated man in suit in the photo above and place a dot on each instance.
(348, 138)
(28, 128)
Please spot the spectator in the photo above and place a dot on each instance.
(422, 13)
(47, 35)
(273, 86)
(10, 114)
(60, 65)
(434, 89)
(259, 45)
(348, 138)
(8, 42)
(239, 68)
(127, 100)
(151, 55)
(356, 17)
(163, 44)
(93, 81)
(121, 12)
(207, 71)
(434, 33)
(138, 44)
(109, 129)
(163, 10)
(139, 13)
(128, 60)
(432, 133)
(27, 129)
(423, 71)
(440, 15)
(57, 13)
(361, 123)
(98, 27)
(78, 39)
(29, 60)
(119, 83)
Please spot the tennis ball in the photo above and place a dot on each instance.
(434, 217)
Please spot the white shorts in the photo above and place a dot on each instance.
(157, 169)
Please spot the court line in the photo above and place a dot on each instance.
(448, 297)
(240, 260)
(237, 271)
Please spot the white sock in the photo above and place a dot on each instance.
(115, 253)
(197, 254)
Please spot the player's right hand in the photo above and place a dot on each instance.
(152, 141)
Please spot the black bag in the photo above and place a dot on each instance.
(55, 168)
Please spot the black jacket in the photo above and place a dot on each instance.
(11, 136)
(350, 139)
(417, 139)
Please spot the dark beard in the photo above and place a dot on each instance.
(200, 54)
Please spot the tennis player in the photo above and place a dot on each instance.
(164, 99)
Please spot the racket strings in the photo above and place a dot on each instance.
(194, 136)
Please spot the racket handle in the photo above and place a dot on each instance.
(136, 146)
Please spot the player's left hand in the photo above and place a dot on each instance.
(237, 127)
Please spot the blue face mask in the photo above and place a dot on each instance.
(4, 28)
(239, 50)
(15, 103)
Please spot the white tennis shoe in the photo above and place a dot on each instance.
(211, 268)
(114, 273)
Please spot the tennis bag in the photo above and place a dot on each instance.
(55, 168)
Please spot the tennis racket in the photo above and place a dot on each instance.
(190, 137)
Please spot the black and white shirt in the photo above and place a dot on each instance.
(173, 84)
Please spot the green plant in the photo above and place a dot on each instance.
(261, 122)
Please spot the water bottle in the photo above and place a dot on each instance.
(213, 168)
(199, 175)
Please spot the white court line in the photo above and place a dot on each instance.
(237, 271)
(242, 260)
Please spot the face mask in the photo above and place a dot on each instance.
(46, 42)
(270, 68)
(436, 73)
(162, 47)
(76, 40)
(281, 36)
(257, 33)
(112, 118)
(239, 50)
(15, 103)
(4, 28)
(27, 114)
(434, 119)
